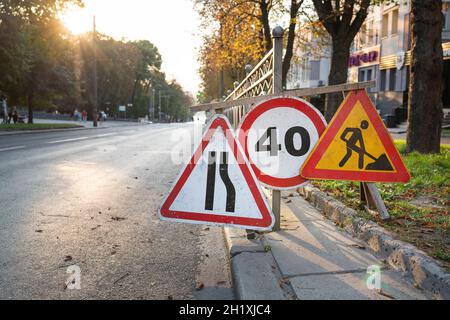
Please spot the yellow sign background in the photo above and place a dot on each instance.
(337, 148)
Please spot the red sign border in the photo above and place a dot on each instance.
(267, 220)
(279, 102)
(309, 169)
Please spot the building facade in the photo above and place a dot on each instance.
(312, 59)
(381, 52)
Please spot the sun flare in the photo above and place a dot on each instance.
(77, 20)
(144, 19)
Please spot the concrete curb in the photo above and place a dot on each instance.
(250, 261)
(426, 272)
(10, 133)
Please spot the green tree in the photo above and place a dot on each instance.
(116, 65)
(342, 19)
(14, 58)
(51, 67)
(179, 103)
(37, 58)
(238, 33)
(150, 60)
(127, 73)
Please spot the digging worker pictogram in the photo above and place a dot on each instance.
(352, 144)
(354, 141)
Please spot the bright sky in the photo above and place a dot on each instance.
(171, 25)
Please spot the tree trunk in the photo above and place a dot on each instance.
(266, 25)
(338, 74)
(342, 22)
(426, 85)
(30, 101)
(290, 41)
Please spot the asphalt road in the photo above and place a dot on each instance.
(88, 198)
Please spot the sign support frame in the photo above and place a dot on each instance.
(370, 195)
(277, 89)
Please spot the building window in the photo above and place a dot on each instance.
(362, 36)
(445, 13)
(383, 80)
(370, 33)
(365, 74)
(392, 79)
(315, 70)
(361, 75)
(304, 69)
(444, 26)
(385, 25)
(394, 18)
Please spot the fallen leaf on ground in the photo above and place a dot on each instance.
(358, 246)
(117, 218)
(381, 292)
(200, 286)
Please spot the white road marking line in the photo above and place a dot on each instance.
(105, 135)
(68, 140)
(12, 148)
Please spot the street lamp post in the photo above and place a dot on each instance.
(152, 103)
(129, 105)
(159, 103)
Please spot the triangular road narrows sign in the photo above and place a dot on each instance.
(218, 186)
(356, 146)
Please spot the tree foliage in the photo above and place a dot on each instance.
(342, 19)
(36, 61)
(44, 67)
(237, 33)
(128, 73)
(231, 40)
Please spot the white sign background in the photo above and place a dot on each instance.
(282, 117)
(186, 200)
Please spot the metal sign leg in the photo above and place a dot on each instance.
(371, 196)
(276, 208)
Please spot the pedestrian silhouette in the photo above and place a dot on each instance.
(355, 143)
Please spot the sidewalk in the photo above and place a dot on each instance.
(399, 133)
(84, 126)
(90, 124)
(310, 258)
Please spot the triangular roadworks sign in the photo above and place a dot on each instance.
(218, 186)
(356, 146)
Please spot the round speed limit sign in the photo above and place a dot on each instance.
(277, 137)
